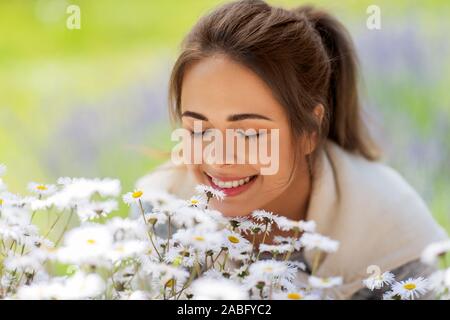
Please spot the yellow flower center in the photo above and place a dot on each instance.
(409, 286)
(170, 283)
(137, 194)
(1, 202)
(120, 249)
(268, 269)
(41, 187)
(294, 296)
(233, 239)
(194, 201)
(91, 241)
(199, 238)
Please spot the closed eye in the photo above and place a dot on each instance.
(250, 135)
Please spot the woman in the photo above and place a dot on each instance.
(248, 65)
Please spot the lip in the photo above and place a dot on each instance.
(230, 192)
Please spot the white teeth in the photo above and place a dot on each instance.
(230, 184)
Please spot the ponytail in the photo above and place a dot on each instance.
(346, 126)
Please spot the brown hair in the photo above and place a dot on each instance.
(304, 55)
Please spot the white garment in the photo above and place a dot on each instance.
(368, 207)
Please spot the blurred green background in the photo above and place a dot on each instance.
(92, 102)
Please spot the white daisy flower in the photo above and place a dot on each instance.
(126, 249)
(234, 241)
(138, 295)
(78, 286)
(8, 199)
(197, 202)
(96, 209)
(161, 200)
(295, 295)
(390, 295)
(88, 244)
(276, 248)
(42, 189)
(439, 282)
(435, 250)
(250, 227)
(199, 239)
(165, 275)
(217, 289)
(324, 283)
(237, 222)
(270, 271)
(180, 255)
(411, 288)
(210, 192)
(286, 224)
(313, 241)
(132, 197)
(75, 190)
(377, 282)
(264, 216)
(122, 229)
(156, 218)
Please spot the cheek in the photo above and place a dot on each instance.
(197, 172)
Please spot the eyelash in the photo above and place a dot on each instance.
(252, 136)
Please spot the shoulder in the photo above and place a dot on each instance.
(170, 178)
(378, 218)
(376, 188)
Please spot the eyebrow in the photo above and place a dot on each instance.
(231, 118)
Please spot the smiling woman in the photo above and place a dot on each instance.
(249, 65)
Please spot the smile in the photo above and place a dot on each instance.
(231, 186)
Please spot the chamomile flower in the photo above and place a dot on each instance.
(234, 241)
(271, 270)
(132, 197)
(82, 188)
(210, 192)
(264, 216)
(126, 249)
(411, 288)
(78, 286)
(8, 199)
(276, 248)
(390, 295)
(295, 295)
(439, 282)
(286, 224)
(41, 189)
(312, 241)
(199, 239)
(435, 250)
(181, 255)
(378, 281)
(166, 276)
(155, 218)
(197, 202)
(96, 209)
(238, 247)
(324, 283)
(87, 244)
(217, 289)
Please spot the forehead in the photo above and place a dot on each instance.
(217, 87)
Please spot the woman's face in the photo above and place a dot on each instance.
(223, 94)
